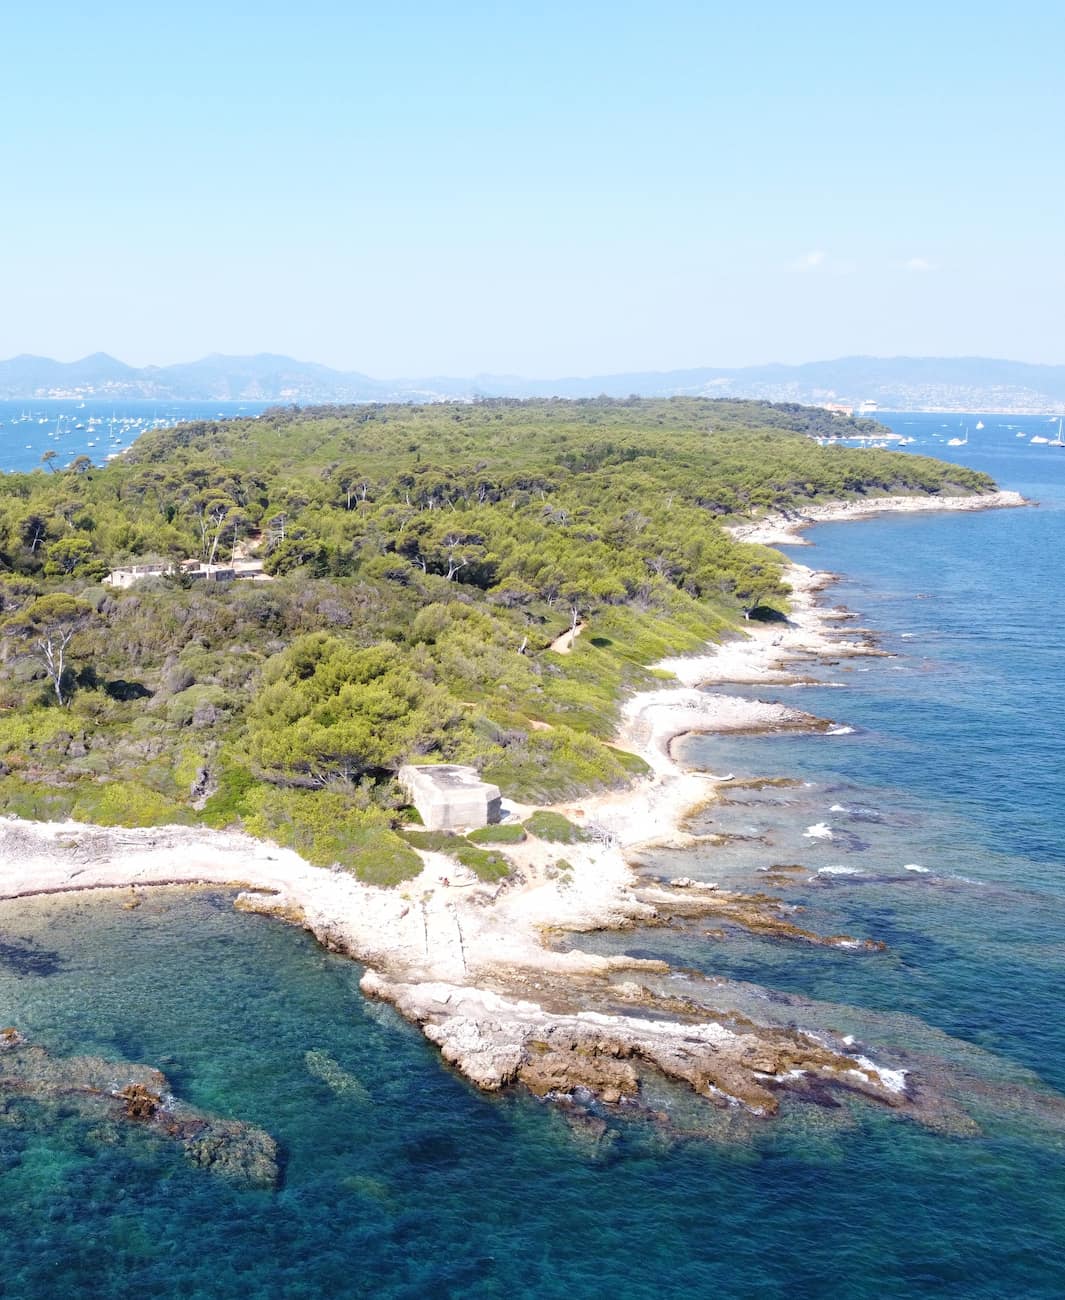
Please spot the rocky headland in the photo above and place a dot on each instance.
(480, 966)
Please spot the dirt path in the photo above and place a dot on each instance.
(563, 644)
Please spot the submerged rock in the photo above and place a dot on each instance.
(334, 1076)
(125, 1093)
(761, 914)
(237, 1151)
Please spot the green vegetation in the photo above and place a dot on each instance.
(327, 710)
(552, 826)
(323, 827)
(424, 559)
(485, 864)
(508, 833)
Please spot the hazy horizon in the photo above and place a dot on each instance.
(712, 364)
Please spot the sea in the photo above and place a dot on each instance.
(93, 426)
(928, 817)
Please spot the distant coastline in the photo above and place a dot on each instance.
(935, 385)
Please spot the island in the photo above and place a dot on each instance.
(438, 722)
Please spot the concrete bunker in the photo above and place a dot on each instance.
(450, 797)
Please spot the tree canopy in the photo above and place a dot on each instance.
(48, 625)
(423, 560)
(327, 709)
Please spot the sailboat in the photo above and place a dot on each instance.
(959, 442)
(979, 424)
(1058, 441)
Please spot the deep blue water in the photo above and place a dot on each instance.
(422, 1187)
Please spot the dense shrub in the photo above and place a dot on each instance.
(127, 803)
(323, 827)
(507, 833)
(552, 826)
(484, 863)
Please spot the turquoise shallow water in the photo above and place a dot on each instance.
(416, 1185)
(427, 1188)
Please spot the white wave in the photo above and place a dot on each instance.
(839, 871)
(818, 831)
(786, 1076)
(895, 1080)
(915, 866)
(838, 807)
(906, 636)
(840, 731)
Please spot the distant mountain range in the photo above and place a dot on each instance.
(893, 383)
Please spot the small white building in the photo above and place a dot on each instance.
(136, 573)
(450, 797)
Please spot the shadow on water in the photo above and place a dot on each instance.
(24, 957)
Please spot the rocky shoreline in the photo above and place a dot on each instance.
(476, 966)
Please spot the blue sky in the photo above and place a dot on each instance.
(539, 188)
